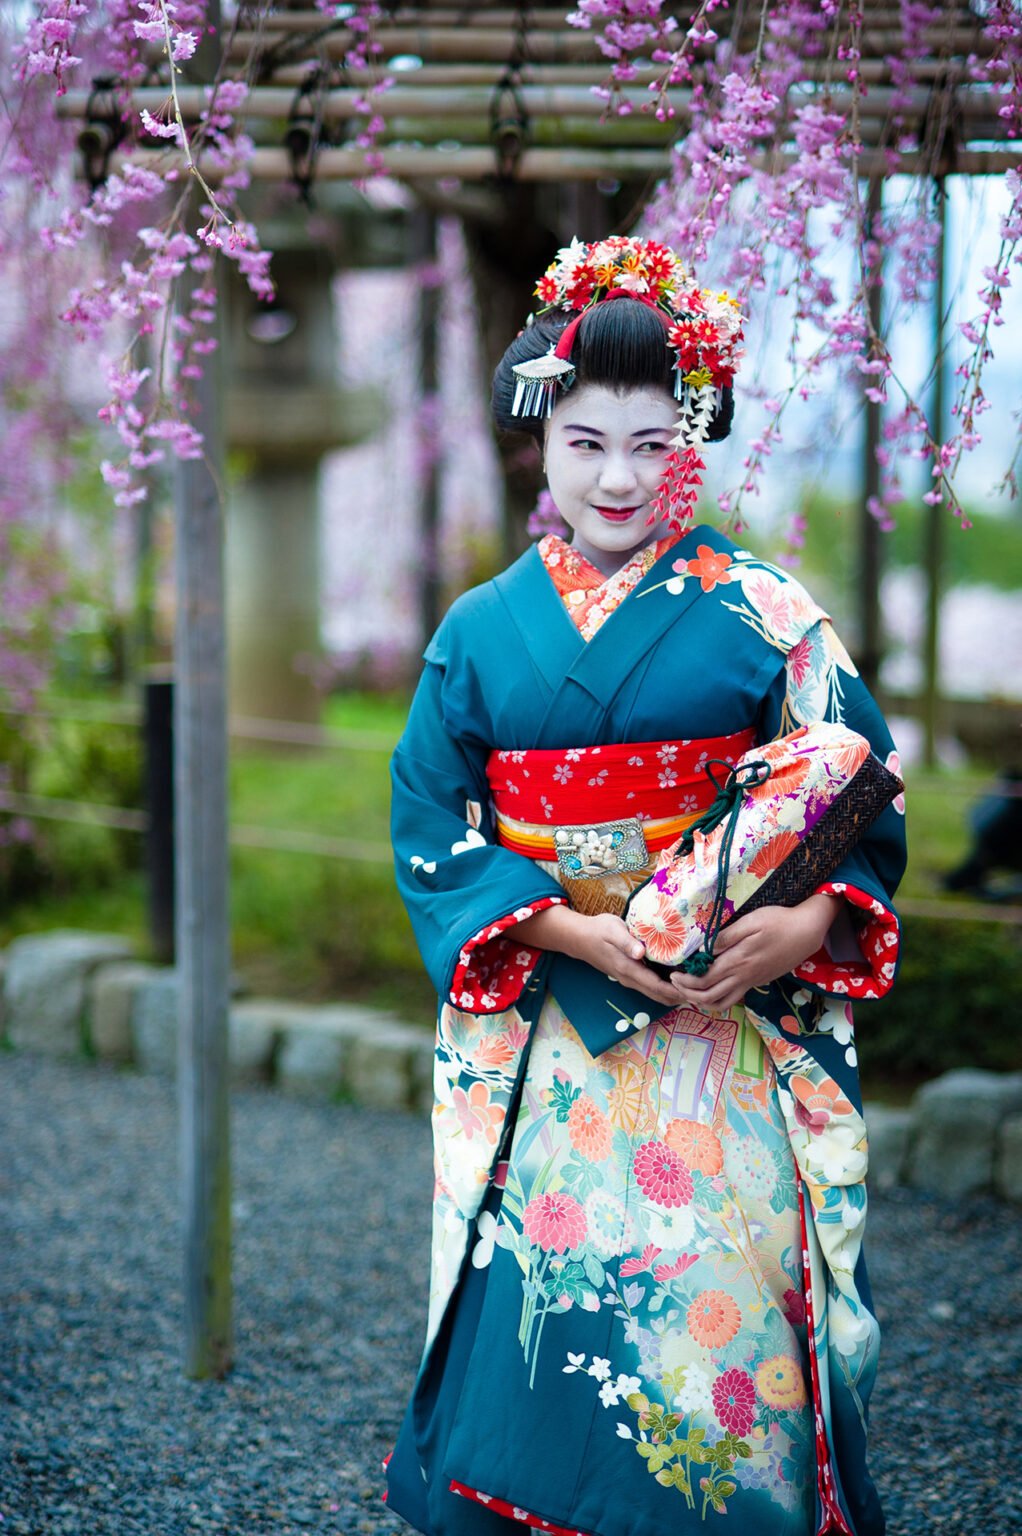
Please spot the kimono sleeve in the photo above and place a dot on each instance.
(461, 889)
(819, 682)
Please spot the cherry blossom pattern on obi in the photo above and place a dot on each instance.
(648, 780)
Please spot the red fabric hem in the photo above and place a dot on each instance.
(879, 940)
(831, 1516)
(515, 1512)
(492, 971)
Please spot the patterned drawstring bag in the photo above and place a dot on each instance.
(785, 816)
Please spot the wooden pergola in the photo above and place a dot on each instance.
(489, 106)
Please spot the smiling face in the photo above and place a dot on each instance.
(605, 453)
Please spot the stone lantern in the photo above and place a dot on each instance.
(284, 411)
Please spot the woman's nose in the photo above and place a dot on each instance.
(617, 474)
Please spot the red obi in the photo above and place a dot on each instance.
(659, 783)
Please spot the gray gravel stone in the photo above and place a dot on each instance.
(890, 1132)
(44, 987)
(1008, 1163)
(101, 1434)
(110, 1001)
(958, 1118)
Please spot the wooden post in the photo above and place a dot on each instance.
(200, 741)
(158, 766)
(870, 551)
(424, 241)
(933, 551)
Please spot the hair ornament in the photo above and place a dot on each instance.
(702, 328)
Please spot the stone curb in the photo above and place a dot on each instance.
(961, 1135)
(95, 998)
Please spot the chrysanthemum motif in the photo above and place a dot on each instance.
(608, 1224)
(734, 1400)
(696, 1145)
(554, 1221)
(772, 854)
(557, 1055)
(661, 1174)
(713, 1319)
(779, 1382)
(660, 928)
(750, 1167)
(589, 1129)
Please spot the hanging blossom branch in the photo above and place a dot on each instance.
(146, 212)
(765, 166)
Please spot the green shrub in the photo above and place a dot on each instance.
(77, 761)
(957, 1003)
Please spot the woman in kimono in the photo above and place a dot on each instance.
(648, 1304)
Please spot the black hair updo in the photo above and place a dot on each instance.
(620, 344)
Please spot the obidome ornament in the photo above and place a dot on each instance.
(703, 329)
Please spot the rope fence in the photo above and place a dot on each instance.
(298, 733)
(283, 840)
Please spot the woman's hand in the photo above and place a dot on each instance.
(602, 941)
(756, 949)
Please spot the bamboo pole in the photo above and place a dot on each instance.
(307, 19)
(200, 737)
(873, 73)
(476, 162)
(479, 44)
(272, 102)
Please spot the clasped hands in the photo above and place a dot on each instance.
(749, 952)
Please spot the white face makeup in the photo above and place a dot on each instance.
(605, 454)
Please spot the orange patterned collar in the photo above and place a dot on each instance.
(588, 595)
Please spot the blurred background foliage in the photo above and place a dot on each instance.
(320, 928)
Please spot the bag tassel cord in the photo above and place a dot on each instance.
(725, 808)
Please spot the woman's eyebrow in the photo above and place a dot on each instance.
(576, 426)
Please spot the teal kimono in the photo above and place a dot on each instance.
(648, 1303)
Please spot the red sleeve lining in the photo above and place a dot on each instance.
(492, 971)
(879, 939)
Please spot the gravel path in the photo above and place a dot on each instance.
(101, 1435)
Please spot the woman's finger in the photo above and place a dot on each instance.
(641, 979)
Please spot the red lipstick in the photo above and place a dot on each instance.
(617, 514)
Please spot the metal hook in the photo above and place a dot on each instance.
(103, 130)
(303, 136)
(509, 120)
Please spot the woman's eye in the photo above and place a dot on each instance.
(585, 442)
(653, 447)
